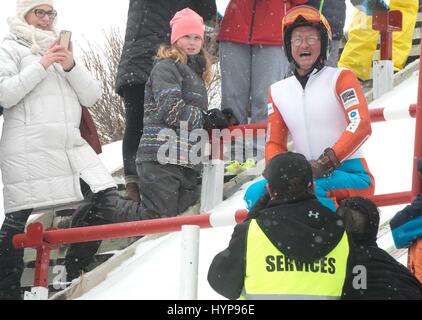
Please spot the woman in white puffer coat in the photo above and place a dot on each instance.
(43, 157)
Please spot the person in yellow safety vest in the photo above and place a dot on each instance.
(290, 246)
(362, 40)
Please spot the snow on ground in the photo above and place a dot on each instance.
(389, 151)
(154, 272)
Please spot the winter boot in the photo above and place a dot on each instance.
(80, 255)
(233, 167)
(11, 259)
(110, 207)
(105, 207)
(248, 164)
(132, 191)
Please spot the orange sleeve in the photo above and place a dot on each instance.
(277, 131)
(355, 107)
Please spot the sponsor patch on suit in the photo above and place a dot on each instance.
(349, 98)
(354, 118)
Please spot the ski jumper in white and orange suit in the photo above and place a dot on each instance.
(324, 109)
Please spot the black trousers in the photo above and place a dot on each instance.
(104, 207)
(11, 259)
(133, 97)
(166, 190)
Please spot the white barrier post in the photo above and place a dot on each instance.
(383, 77)
(212, 185)
(189, 263)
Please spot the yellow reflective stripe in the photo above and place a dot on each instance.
(271, 272)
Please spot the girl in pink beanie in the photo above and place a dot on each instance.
(186, 22)
(176, 101)
(187, 38)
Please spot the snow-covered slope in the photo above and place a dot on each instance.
(154, 271)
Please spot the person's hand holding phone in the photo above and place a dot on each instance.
(68, 62)
(54, 54)
(64, 41)
(60, 51)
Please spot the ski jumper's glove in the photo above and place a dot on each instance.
(369, 6)
(325, 164)
(228, 112)
(215, 119)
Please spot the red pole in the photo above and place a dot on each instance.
(41, 266)
(391, 199)
(112, 231)
(386, 45)
(416, 182)
(378, 114)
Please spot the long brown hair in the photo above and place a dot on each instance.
(167, 51)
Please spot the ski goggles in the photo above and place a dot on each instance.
(309, 14)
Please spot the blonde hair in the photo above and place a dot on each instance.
(167, 51)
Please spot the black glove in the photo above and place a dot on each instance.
(215, 119)
(228, 112)
(325, 164)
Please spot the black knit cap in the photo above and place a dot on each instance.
(289, 176)
(361, 218)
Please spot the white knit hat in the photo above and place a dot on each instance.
(24, 6)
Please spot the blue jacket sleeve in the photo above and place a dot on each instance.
(406, 225)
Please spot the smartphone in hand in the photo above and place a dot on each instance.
(64, 38)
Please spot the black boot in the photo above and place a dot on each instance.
(113, 208)
(11, 259)
(80, 255)
(105, 207)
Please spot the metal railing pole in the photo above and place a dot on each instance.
(189, 263)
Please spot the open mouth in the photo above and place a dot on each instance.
(305, 54)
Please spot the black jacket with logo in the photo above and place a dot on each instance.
(386, 279)
(303, 230)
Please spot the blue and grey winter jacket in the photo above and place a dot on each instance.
(175, 98)
(406, 226)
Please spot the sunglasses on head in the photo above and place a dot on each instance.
(40, 13)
